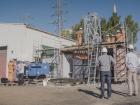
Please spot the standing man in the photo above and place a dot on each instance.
(132, 66)
(104, 62)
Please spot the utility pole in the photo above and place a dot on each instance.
(59, 28)
(59, 17)
(59, 31)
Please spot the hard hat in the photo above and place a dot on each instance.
(104, 49)
(131, 46)
(80, 28)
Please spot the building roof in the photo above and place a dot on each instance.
(37, 29)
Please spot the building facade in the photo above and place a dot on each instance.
(21, 42)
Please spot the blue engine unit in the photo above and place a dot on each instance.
(37, 69)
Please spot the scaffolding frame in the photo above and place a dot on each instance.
(90, 47)
(92, 31)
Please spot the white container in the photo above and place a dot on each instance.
(44, 82)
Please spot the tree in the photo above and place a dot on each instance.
(113, 23)
(111, 26)
(67, 33)
(103, 24)
(132, 29)
(76, 27)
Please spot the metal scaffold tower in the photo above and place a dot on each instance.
(84, 57)
(92, 32)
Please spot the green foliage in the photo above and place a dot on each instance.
(71, 33)
(113, 20)
(111, 25)
(67, 33)
(76, 27)
(132, 29)
(103, 24)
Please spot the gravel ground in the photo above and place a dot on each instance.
(65, 95)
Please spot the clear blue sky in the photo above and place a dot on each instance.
(41, 11)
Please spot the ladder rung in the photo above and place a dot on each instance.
(80, 65)
(92, 66)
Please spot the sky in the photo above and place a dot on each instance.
(42, 13)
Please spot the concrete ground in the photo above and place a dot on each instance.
(65, 95)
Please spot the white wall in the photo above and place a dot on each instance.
(66, 67)
(47, 39)
(21, 40)
(16, 38)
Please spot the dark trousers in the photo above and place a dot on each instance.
(20, 79)
(106, 78)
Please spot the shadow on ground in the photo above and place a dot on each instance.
(120, 93)
(127, 103)
(117, 92)
(90, 93)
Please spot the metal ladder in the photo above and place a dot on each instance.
(92, 61)
(92, 31)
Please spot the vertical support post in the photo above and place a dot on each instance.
(59, 23)
(132, 39)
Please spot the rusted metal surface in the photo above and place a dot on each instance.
(3, 60)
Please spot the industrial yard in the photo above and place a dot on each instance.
(90, 57)
(64, 95)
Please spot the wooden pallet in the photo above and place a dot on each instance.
(9, 84)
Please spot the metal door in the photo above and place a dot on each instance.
(3, 61)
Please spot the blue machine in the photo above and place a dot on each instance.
(37, 69)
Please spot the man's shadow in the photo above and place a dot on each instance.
(120, 93)
(117, 92)
(89, 92)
